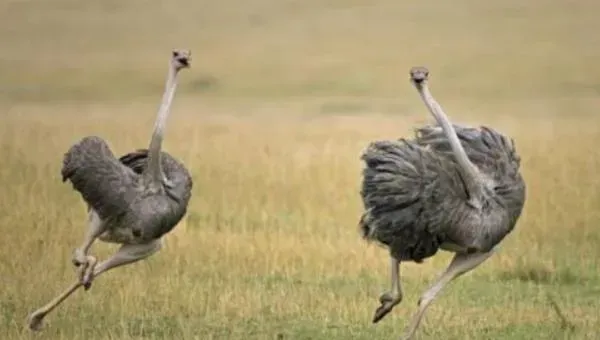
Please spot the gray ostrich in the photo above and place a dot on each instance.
(132, 201)
(453, 188)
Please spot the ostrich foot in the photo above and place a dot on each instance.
(388, 301)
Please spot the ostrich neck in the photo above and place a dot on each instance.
(467, 170)
(154, 172)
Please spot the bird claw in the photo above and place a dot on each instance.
(36, 321)
(381, 311)
(388, 302)
(87, 278)
(87, 285)
(86, 270)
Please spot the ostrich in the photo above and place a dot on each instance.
(453, 188)
(132, 201)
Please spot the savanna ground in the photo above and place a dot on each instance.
(282, 98)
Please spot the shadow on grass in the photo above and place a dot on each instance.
(540, 275)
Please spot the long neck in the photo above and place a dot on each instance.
(467, 169)
(154, 172)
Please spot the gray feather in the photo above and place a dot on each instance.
(174, 208)
(104, 183)
(415, 200)
(115, 189)
(493, 153)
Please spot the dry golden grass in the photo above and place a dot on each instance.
(270, 244)
(282, 98)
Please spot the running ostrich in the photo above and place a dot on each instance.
(132, 201)
(453, 188)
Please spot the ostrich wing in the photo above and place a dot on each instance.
(136, 160)
(493, 153)
(107, 185)
(178, 191)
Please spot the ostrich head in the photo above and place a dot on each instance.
(419, 74)
(181, 59)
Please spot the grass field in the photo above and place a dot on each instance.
(282, 98)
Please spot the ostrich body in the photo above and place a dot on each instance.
(132, 201)
(452, 187)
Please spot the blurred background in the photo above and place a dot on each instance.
(266, 49)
